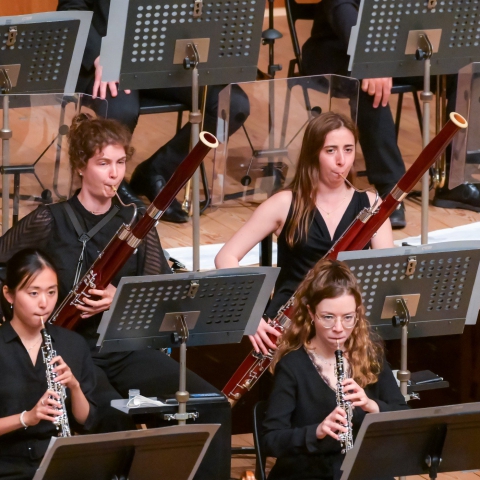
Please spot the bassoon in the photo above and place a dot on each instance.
(358, 234)
(127, 239)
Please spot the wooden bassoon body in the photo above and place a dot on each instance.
(127, 239)
(359, 233)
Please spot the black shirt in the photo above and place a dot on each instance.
(299, 402)
(23, 384)
(296, 262)
(49, 228)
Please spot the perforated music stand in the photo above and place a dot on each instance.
(390, 38)
(415, 442)
(220, 306)
(40, 53)
(169, 453)
(431, 284)
(146, 46)
(206, 308)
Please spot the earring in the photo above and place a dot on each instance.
(11, 306)
(80, 173)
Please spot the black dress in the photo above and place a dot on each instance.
(299, 402)
(155, 374)
(296, 262)
(23, 384)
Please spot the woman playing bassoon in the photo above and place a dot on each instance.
(309, 215)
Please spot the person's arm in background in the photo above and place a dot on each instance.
(268, 218)
(98, 29)
(342, 16)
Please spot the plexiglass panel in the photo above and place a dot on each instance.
(261, 157)
(35, 157)
(465, 165)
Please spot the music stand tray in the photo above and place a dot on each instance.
(169, 453)
(219, 307)
(415, 442)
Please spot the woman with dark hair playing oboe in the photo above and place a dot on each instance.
(305, 426)
(30, 414)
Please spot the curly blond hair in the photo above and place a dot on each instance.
(363, 348)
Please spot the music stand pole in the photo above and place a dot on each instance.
(182, 395)
(424, 52)
(195, 117)
(402, 319)
(6, 134)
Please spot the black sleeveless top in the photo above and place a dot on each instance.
(296, 262)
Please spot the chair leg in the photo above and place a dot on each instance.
(398, 114)
(206, 202)
(418, 110)
(179, 120)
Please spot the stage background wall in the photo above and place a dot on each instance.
(20, 7)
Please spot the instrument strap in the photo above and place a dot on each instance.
(83, 236)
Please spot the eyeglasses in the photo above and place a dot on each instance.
(328, 320)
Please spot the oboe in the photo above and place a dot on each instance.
(346, 438)
(61, 421)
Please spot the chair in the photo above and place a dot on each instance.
(150, 105)
(306, 11)
(258, 416)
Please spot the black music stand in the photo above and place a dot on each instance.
(413, 39)
(415, 442)
(206, 308)
(424, 290)
(40, 53)
(169, 453)
(165, 43)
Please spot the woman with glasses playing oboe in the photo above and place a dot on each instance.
(304, 422)
(29, 411)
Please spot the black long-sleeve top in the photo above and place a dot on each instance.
(50, 229)
(23, 384)
(299, 402)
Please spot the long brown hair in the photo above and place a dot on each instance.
(333, 279)
(304, 184)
